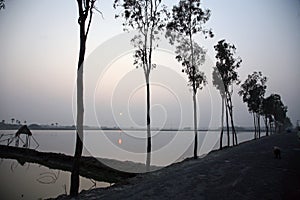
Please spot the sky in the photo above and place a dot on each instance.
(39, 52)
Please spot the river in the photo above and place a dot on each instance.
(32, 181)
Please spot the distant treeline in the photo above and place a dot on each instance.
(7, 126)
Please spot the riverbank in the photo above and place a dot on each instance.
(247, 171)
(90, 167)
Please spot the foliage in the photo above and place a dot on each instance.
(226, 66)
(2, 4)
(217, 82)
(184, 57)
(276, 108)
(266, 108)
(253, 91)
(224, 76)
(188, 19)
(149, 18)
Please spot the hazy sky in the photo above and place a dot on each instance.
(39, 51)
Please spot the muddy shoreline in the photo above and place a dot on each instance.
(90, 167)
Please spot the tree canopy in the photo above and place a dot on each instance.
(2, 4)
(253, 91)
(224, 76)
(149, 18)
(226, 65)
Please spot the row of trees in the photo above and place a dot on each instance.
(13, 120)
(271, 108)
(24, 122)
(253, 91)
(152, 19)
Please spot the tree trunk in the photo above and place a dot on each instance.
(222, 124)
(148, 159)
(270, 125)
(266, 126)
(227, 124)
(74, 185)
(195, 126)
(254, 122)
(79, 133)
(234, 136)
(258, 124)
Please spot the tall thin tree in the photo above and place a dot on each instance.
(226, 66)
(265, 111)
(148, 17)
(278, 110)
(188, 19)
(268, 111)
(85, 14)
(252, 92)
(218, 83)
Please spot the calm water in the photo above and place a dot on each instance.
(32, 181)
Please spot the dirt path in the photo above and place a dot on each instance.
(248, 171)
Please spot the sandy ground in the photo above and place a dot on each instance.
(248, 171)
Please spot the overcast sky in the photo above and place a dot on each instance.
(39, 51)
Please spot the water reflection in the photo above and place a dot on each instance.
(32, 181)
(48, 177)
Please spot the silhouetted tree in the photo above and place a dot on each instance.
(252, 92)
(25, 122)
(148, 17)
(278, 110)
(226, 67)
(188, 19)
(2, 4)
(266, 112)
(12, 120)
(85, 13)
(218, 83)
(274, 111)
(287, 124)
(269, 109)
(3, 121)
